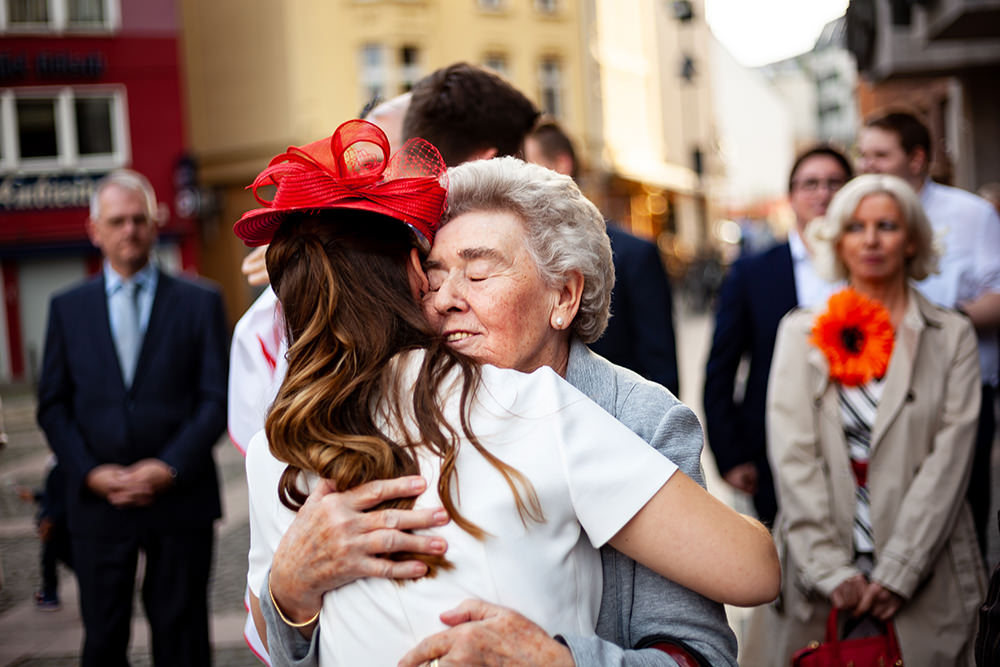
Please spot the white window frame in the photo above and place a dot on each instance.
(493, 57)
(377, 76)
(410, 74)
(546, 80)
(547, 7)
(58, 11)
(67, 157)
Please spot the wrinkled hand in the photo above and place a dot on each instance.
(878, 601)
(848, 593)
(743, 477)
(333, 541)
(254, 267)
(486, 634)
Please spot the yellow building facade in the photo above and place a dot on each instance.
(263, 75)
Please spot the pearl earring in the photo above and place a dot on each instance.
(559, 321)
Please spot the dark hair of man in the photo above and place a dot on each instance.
(463, 109)
(343, 283)
(553, 142)
(911, 131)
(820, 150)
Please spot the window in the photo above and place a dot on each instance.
(409, 63)
(547, 6)
(550, 87)
(496, 62)
(373, 72)
(45, 129)
(491, 5)
(59, 15)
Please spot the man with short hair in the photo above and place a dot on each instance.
(132, 398)
(899, 144)
(640, 333)
(756, 294)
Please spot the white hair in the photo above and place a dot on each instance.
(824, 233)
(564, 230)
(127, 180)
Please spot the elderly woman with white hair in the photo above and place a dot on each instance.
(519, 276)
(872, 410)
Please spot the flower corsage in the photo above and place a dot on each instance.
(856, 336)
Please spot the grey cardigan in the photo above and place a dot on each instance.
(636, 604)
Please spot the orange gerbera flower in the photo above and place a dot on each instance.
(856, 336)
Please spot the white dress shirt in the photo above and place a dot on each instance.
(968, 229)
(810, 289)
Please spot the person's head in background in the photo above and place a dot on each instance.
(389, 116)
(469, 113)
(550, 147)
(816, 175)
(898, 144)
(122, 222)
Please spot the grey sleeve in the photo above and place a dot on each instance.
(637, 603)
(593, 651)
(285, 645)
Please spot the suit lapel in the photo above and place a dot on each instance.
(787, 296)
(900, 373)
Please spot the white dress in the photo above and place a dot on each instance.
(591, 475)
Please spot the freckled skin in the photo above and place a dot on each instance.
(875, 243)
(483, 282)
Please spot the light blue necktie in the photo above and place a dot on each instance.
(125, 302)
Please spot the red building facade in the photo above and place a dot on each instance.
(86, 86)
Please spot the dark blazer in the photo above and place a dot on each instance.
(756, 294)
(175, 410)
(640, 334)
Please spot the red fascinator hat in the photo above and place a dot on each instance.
(351, 169)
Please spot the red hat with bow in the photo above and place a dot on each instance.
(351, 169)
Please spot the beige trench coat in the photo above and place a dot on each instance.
(921, 457)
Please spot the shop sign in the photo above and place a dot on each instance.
(27, 193)
(52, 65)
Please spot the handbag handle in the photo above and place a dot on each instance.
(833, 637)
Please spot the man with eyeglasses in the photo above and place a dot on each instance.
(968, 227)
(756, 294)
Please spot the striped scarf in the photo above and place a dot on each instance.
(858, 407)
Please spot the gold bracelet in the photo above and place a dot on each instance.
(282, 615)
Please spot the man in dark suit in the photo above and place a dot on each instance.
(756, 294)
(640, 333)
(132, 397)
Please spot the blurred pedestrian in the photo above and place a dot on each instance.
(968, 228)
(756, 294)
(53, 534)
(132, 397)
(640, 333)
(872, 408)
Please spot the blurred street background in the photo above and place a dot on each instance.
(687, 115)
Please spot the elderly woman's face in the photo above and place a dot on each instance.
(875, 243)
(487, 297)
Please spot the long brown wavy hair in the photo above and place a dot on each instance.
(343, 283)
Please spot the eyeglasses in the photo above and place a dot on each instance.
(813, 184)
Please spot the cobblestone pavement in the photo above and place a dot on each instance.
(31, 638)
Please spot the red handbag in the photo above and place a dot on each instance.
(879, 651)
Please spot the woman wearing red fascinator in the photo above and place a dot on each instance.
(871, 417)
(523, 464)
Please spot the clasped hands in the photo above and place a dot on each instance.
(337, 538)
(135, 485)
(860, 596)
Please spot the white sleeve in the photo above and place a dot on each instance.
(611, 472)
(256, 368)
(269, 519)
(987, 259)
